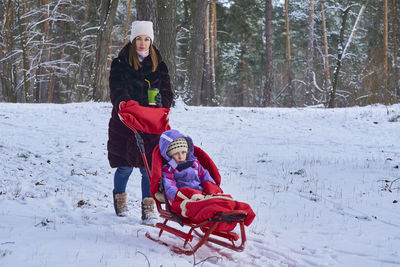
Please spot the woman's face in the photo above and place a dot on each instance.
(142, 42)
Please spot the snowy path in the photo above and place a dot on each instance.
(317, 179)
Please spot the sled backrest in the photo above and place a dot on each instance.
(156, 167)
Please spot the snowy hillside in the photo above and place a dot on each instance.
(321, 181)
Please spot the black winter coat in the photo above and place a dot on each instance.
(127, 84)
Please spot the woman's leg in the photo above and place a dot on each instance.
(148, 216)
(145, 183)
(121, 178)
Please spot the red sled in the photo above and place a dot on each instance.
(206, 230)
(137, 118)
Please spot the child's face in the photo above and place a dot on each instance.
(180, 156)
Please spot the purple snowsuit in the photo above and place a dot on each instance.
(188, 174)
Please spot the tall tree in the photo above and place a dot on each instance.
(79, 89)
(326, 56)
(309, 92)
(206, 84)
(288, 57)
(213, 46)
(342, 50)
(266, 100)
(107, 14)
(147, 10)
(25, 53)
(394, 41)
(197, 50)
(386, 94)
(128, 22)
(167, 26)
(7, 43)
(44, 70)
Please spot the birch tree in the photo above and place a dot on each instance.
(342, 50)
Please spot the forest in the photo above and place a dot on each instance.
(251, 53)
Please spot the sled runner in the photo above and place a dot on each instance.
(216, 228)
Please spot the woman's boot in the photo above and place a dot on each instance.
(148, 216)
(120, 206)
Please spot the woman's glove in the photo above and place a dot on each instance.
(158, 99)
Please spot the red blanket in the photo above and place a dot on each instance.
(195, 205)
(145, 119)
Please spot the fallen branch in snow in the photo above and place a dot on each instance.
(390, 187)
(206, 259)
(148, 262)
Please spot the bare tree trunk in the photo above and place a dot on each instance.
(326, 56)
(266, 100)
(43, 72)
(342, 50)
(241, 99)
(25, 56)
(6, 25)
(128, 22)
(206, 86)
(332, 98)
(246, 80)
(394, 41)
(260, 92)
(76, 94)
(147, 10)
(288, 57)
(310, 55)
(167, 35)
(100, 84)
(386, 93)
(254, 91)
(7, 77)
(197, 50)
(54, 86)
(213, 48)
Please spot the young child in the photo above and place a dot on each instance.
(183, 169)
(191, 191)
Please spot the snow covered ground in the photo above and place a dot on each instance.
(321, 181)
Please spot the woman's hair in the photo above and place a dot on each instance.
(134, 60)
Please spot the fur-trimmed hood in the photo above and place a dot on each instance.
(165, 140)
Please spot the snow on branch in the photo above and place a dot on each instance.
(353, 32)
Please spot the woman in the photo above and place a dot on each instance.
(138, 66)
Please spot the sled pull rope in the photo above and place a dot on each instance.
(139, 142)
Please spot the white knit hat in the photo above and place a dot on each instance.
(178, 145)
(142, 27)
